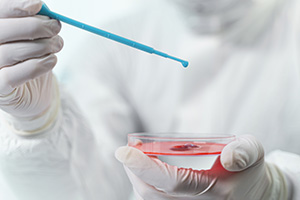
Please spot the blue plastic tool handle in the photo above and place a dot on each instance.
(47, 12)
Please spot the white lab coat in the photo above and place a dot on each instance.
(248, 84)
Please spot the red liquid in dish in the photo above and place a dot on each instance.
(180, 148)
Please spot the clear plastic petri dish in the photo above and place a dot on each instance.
(189, 150)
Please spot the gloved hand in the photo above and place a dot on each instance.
(240, 173)
(28, 91)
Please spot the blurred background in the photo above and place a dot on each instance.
(91, 12)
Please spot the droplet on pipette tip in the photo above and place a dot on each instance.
(185, 63)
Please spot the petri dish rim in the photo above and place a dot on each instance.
(175, 136)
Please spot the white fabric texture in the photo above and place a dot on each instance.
(230, 87)
(52, 164)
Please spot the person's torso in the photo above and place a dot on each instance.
(228, 88)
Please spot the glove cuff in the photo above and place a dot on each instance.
(289, 164)
(279, 188)
(26, 126)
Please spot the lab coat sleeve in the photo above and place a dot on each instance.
(48, 165)
(74, 159)
(66, 161)
(289, 163)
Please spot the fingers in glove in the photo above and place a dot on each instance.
(162, 176)
(11, 77)
(19, 8)
(143, 190)
(242, 153)
(13, 53)
(28, 28)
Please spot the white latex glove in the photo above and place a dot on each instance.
(28, 91)
(240, 173)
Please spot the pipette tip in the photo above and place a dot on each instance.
(185, 63)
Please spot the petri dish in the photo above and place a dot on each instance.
(189, 150)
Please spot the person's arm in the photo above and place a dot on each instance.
(36, 159)
(47, 150)
(289, 163)
(47, 165)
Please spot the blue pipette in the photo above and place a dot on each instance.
(47, 12)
